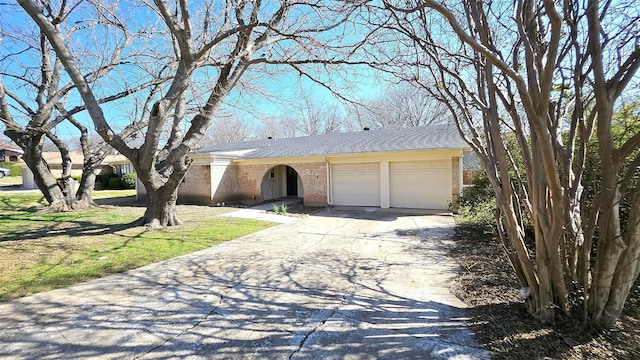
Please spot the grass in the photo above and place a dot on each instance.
(11, 181)
(42, 251)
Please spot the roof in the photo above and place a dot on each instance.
(54, 157)
(117, 159)
(430, 137)
(10, 147)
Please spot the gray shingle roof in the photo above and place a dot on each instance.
(380, 140)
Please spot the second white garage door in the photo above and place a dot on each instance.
(356, 184)
(420, 184)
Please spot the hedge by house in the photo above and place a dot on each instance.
(14, 170)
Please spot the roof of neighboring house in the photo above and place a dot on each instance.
(380, 140)
(54, 158)
(6, 146)
(117, 159)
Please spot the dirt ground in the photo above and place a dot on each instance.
(502, 324)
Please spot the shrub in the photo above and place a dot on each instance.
(104, 179)
(477, 202)
(14, 170)
(114, 183)
(128, 181)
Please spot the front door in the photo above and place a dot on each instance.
(292, 182)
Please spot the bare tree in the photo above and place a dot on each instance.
(57, 100)
(41, 96)
(224, 41)
(403, 105)
(227, 129)
(522, 68)
(305, 117)
(277, 127)
(317, 117)
(49, 90)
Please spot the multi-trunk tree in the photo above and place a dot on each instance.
(217, 40)
(36, 96)
(551, 75)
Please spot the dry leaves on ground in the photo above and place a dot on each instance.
(502, 324)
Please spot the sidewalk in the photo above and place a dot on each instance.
(264, 212)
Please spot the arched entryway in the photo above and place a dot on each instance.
(281, 181)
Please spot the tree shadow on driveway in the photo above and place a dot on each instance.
(325, 294)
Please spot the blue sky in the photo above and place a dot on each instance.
(278, 92)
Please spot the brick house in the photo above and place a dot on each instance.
(9, 153)
(418, 167)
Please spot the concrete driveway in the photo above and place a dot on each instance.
(342, 284)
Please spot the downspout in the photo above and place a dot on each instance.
(329, 202)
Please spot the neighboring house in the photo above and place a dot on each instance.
(9, 153)
(419, 167)
(54, 161)
(112, 164)
(116, 164)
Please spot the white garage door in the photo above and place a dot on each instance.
(420, 184)
(356, 184)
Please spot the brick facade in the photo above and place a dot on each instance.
(243, 183)
(456, 181)
(313, 176)
(215, 183)
(314, 180)
(196, 186)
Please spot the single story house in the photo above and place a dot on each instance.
(116, 164)
(54, 161)
(111, 164)
(9, 153)
(418, 167)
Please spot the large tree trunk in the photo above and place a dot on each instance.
(46, 182)
(93, 157)
(161, 207)
(162, 193)
(84, 194)
(66, 181)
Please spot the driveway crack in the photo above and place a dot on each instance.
(214, 311)
(318, 326)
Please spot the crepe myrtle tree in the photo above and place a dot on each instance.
(36, 96)
(222, 40)
(551, 75)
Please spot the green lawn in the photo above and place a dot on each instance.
(42, 251)
(11, 181)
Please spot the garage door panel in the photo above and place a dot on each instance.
(420, 184)
(356, 184)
